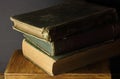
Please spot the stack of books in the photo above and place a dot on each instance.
(68, 36)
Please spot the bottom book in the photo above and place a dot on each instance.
(55, 65)
(21, 68)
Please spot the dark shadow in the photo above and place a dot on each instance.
(115, 67)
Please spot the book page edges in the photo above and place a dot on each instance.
(30, 29)
(40, 59)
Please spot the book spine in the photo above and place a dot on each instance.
(81, 25)
(86, 39)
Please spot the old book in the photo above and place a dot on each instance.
(76, 41)
(20, 68)
(61, 21)
(55, 65)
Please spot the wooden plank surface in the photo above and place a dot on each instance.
(20, 68)
(1, 76)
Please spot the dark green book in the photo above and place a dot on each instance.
(63, 20)
(74, 42)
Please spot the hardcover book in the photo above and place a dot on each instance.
(76, 41)
(20, 68)
(63, 20)
(55, 65)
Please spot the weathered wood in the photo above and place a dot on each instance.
(20, 68)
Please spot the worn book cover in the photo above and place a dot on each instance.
(61, 21)
(55, 65)
(21, 68)
(76, 41)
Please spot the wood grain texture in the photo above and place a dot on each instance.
(20, 68)
(1, 76)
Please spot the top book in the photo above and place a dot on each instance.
(62, 20)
